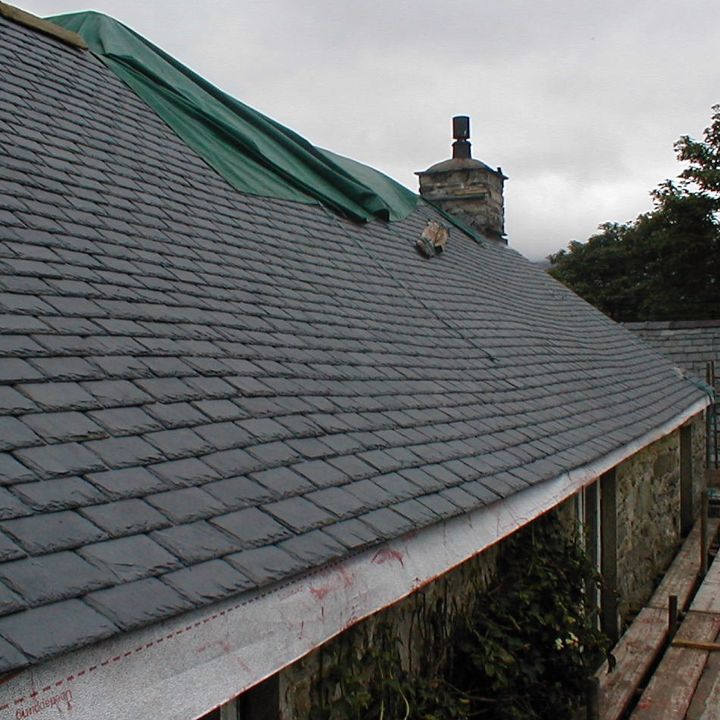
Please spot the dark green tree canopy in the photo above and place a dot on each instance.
(664, 265)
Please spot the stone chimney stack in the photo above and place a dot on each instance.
(467, 188)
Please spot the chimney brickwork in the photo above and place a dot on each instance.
(467, 188)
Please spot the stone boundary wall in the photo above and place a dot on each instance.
(689, 344)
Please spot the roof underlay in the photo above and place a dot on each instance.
(253, 152)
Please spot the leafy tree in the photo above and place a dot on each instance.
(665, 265)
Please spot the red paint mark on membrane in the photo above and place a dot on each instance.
(321, 592)
(386, 555)
(347, 578)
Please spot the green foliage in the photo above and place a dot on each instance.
(531, 643)
(665, 265)
(525, 650)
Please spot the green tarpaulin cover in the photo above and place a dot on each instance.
(253, 152)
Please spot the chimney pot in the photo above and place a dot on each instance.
(461, 133)
(461, 127)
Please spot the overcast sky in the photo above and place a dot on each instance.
(579, 101)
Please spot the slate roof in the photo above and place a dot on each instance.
(690, 344)
(204, 392)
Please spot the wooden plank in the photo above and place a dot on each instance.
(634, 656)
(696, 645)
(44, 26)
(707, 598)
(683, 572)
(641, 644)
(705, 704)
(671, 688)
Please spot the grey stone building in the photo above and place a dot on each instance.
(236, 424)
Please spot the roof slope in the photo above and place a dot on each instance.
(253, 152)
(205, 391)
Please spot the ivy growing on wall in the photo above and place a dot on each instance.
(523, 650)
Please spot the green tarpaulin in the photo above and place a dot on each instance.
(256, 154)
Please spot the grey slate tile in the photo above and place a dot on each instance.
(50, 532)
(274, 453)
(206, 582)
(74, 624)
(10, 601)
(353, 534)
(299, 514)
(179, 473)
(11, 506)
(63, 426)
(9, 550)
(116, 393)
(11, 471)
(218, 410)
(252, 527)
(223, 435)
(387, 523)
(396, 486)
(262, 429)
(439, 505)
(282, 481)
(352, 467)
(12, 402)
(10, 657)
(129, 482)
(310, 448)
(422, 479)
(63, 459)
(15, 434)
(58, 396)
(313, 548)
(16, 370)
(176, 414)
(182, 506)
(178, 443)
(137, 603)
(369, 493)
(125, 421)
(130, 558)
(266, 564)
(124, 451)
(196, 542)
(168, 390)
(232, 462)
(240, 491)
(53, 577)
(66, 368)
(125, 517)
(336, 500)
(320, 473)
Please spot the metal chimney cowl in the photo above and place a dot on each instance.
(467, 188)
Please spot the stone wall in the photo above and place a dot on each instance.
(648, 514)
(421, 623)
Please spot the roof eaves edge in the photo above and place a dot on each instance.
(211, 648)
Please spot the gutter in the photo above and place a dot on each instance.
(181, 668)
